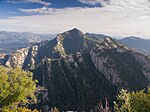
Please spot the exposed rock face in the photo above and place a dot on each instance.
(106, 66)
(104, 63)
(73, 82)
(31, 59)
(34, 51)
(144, 61)
(113, 60)
(16, 59)
(59, 46)
(78, 70)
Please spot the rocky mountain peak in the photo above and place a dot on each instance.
(74, 33)
(71, 41)
(76, 67)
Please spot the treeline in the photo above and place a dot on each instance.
(17, 89)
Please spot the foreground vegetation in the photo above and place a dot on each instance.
(133, 101)
(17, 89)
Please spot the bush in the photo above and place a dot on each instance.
(16, 86)
(133, 101)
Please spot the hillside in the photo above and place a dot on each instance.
(138, 43)
(78, 71)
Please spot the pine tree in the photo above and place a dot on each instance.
(16, 86)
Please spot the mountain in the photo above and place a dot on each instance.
(78, 70)
(11, 41)
(138, 43)
(98, 37)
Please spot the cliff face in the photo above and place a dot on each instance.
(73, 82)
(16, 59)
(78, 70)
(106, 66)
(144, 60)
(120, 65)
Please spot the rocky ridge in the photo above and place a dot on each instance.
(107, 59)
(78, 70)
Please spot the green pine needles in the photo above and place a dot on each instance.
(16, 86)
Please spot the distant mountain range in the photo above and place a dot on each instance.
(138, 43)
(11, 41)
(78, 70)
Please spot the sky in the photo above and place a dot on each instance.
(120, 18)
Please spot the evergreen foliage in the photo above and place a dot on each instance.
(16, 87)
(138, 101)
